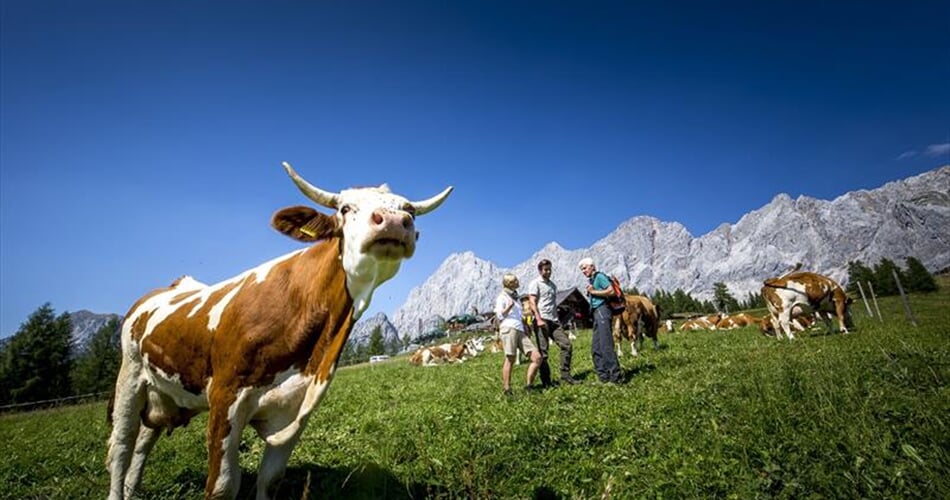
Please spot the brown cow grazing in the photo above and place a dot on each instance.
(638, 309)
(811, 292)
(261, 348)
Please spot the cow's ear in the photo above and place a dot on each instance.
(304, 224)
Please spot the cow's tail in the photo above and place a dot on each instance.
(795, 268)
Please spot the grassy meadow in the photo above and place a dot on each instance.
(709, 415)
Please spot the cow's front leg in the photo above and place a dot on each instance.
(273, 465)
(841, 310)
(226, 420)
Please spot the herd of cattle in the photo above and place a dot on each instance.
(795, 302)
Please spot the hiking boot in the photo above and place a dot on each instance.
(507, 392)
(570, 380)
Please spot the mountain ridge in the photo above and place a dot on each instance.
(899, 219)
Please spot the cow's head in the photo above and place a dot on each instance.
(376, 227)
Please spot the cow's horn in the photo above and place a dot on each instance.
(426, 206)
(321, 197)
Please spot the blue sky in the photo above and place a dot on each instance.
(140, 141)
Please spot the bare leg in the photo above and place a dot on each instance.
(534, 366)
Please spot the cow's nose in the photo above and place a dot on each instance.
(383, 217)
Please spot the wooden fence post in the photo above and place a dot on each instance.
(874, 297)
(900, 288)
(865, 300)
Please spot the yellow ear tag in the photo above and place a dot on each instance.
(309, 232)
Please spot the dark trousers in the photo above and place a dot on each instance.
(544, 335)
(602, 346)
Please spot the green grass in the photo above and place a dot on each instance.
(710, 415)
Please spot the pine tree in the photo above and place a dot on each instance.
(859, 273)
(884, 283)
(917, 278)
(682, 302)
(376, 342)
(36, 363)
(95, 370)
(723, 300)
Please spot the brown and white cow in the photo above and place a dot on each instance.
(800, 322)
(810, 291)
(261, 348)
(736, 321)
(639, 308)
(701, 323)
(443, 353)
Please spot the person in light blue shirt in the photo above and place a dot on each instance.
(602, 343)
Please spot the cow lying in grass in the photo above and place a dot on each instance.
(445, 353)
(736, 321)
(701, 323)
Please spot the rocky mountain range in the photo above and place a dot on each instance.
(906, 218)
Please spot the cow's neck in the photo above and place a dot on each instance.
(318, 286)
(365, 273)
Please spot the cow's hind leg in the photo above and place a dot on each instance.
(143, 446)
(129, 401)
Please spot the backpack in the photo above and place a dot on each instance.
(616, 302)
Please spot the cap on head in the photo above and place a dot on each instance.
(585, 262)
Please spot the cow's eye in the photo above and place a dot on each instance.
(345, 209)
(410, 209)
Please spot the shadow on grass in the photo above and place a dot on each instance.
(626, 374)
(545, 493)
(368, 481)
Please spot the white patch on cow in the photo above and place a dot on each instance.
(214, 315)
(160, 307)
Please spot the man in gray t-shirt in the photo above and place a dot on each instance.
(542, 299)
